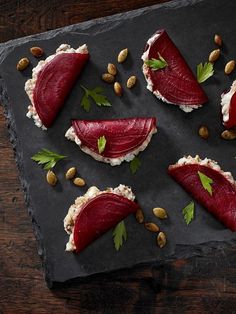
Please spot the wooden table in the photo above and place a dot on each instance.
(198, 285)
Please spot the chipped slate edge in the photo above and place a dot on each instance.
(4, 101)
(185, 251)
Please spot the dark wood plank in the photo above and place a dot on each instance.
(25, 17)
(199, 285)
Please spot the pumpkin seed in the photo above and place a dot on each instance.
(229, 134)
(51, 178)
(203, 132)
(139, 216)
(108, 78)
(160, 212)
(70, 173)
(218, 40)
(118, 89)
(122, 55)
(22, 64)
(79, 181)
(150, 226)
(229, 67)
(161, 239)
(111, 69)
(214, 55)
(37, 52)
(131, 81)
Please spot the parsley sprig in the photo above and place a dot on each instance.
(47, 158)
(157, 64)
(97, 96)
(204, 71)
(101, 144)
(188, 212)
(119, 235)
(135, 165)
(206, 182)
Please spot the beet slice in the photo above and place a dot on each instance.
(231, 122)
(54, 83)
(176, 82)
(122, 135)
(222, 203)
(98, 215)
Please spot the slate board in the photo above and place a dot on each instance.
(191, 25)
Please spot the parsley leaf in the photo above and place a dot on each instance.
(101, 144)
(204, 71)
(119, 235)
(188, 212)
(135, 164)
(206, 182)
(156, 64)
(85, 103)
(47, 158)
(97, 95)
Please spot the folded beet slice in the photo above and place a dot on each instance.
(52, 81)
(228, 103)
(124, 137)
(222, 202)
(98, 215)
(55, 82)
(176, 83)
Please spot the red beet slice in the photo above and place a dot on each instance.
(231, 122)
(54, 83)
(122, 135)
(98, 215)
(222, 203)
(176, 82)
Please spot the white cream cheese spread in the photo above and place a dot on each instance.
(225, 101)
(71, 135)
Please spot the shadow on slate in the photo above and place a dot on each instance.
(191, 25)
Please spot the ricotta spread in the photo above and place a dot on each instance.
(71, 135)
(225, 101)
(92, 192)
(30, 84)
(188, 160)
(145, 69)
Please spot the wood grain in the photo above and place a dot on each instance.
(25, 17)
(199, 285)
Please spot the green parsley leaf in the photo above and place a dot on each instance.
(206, 182)
(47, 158)
(156, 64)
(85, 103)
(97, 95)
(119, 235)
(204, 71)
(188, 213)
(101, 144)
(135, 164)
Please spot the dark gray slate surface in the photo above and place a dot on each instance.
(192, 25)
